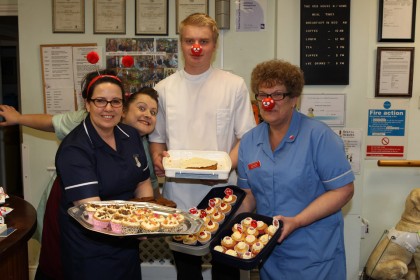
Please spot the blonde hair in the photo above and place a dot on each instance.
(278, 72)
(200, 20)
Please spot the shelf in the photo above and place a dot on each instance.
(399, 163)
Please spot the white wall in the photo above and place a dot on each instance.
(380, 192)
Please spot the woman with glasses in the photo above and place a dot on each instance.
(100, 159)
(294, 169)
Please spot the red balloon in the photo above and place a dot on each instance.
(196, 49)
(267, 104)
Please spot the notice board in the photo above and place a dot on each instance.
(325, 41)
(63, 68)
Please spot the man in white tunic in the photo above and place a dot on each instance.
(200, 108)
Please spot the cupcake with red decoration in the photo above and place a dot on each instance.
(194, 211)
(218, 217)
(225, 208)
(203, 237)
(212, 227)
(190, 239)
(229, 196)
(210, 210)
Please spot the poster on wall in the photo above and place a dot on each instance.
(250, 15)
(63, 67)
(154, 60)
(386, 134)
(328, 108)
(352, 139)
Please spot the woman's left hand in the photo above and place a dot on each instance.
(290, 224)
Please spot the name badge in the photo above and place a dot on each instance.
(254, 165)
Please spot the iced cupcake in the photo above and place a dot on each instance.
(241, 248)
(228, 242)
(256, 248)
(238, 236)
(218, 217)
(101, 219)
(261, 226)
(250, 239)
(264, 239)
(150, 226)
(212, 227)
(219, 248)
(116, 223)
(225, 208)
(203, 237)
(190, 239)
(130, 225)
(231, 252)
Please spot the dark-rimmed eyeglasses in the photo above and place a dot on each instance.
(102, 103)
(277, 96)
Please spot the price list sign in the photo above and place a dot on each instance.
(324, 41)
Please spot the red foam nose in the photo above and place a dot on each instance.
(196, 49)
(268, 104)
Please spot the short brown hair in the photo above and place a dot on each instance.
(200, 20)
(278, 72)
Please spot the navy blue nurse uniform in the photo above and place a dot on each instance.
(88, 167)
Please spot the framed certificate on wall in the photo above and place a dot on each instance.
(109, 17)
(68, 16)
(394, 72)
(397, 20)
(185, 8)
(151, 17)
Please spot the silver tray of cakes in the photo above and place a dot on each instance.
(215, 210)
(125, 218)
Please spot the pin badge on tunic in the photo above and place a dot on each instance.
(136, 159)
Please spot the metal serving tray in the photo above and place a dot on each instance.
(191, 224)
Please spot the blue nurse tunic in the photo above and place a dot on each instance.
(88, 167)
(307, 163)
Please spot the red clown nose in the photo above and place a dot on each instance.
(196, 49)
(267, 104)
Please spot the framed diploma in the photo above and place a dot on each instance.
(185, 8)
(397, 20)
(109, 17)
(151, 17)
(68, 16)
(394, 72)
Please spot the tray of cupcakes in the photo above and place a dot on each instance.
(246, 241)
(215, 210)
(125, 218)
